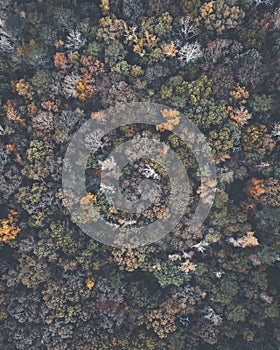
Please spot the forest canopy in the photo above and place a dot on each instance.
(215, 62)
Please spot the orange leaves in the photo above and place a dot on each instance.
(173, 117)
(91, 65)
(12, 114)
(170, 49)
(141, 42)
(249, 241)
(53, 106)
(223, 158)
(80, 83)
(90, 69)
(255, 189)
(147, 42)
(10, 147)
(85, 90)
(8, 228)
(89, 284)
(239, 116)
(239, 95)
(60, 60)
(265, 191)
(32, 109)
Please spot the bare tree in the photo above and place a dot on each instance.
(74, 40)
(265, 2)
(190, 52)
(69, 85)
(5, 44)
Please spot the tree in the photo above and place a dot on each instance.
(170, 274)
(8, 228)
(218, 15)
(190, 52)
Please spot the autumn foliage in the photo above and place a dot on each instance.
(8, 228)
(255, 189)
(173, 119)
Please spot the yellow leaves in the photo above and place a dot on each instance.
(130, 259)
(22, 14)
(249, 241)
(23, 88)
(149, 39)
(272, 192)
(162, 320)
(8, 228)
(105, 7)
(85, 90)
(136, 71)
(112, 210)
(169, 113)
(187, 266)
(58, 43)
(138, 48)
(85, 201)
(206, 9)
(173, 117)
(143, 42)
(170, 49)
(218, 15)
(81, 86)
(254, 137)
(89, 284)
(89, 211)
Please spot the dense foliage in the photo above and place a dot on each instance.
(216, 62)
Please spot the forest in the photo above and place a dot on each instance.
(213, 62)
